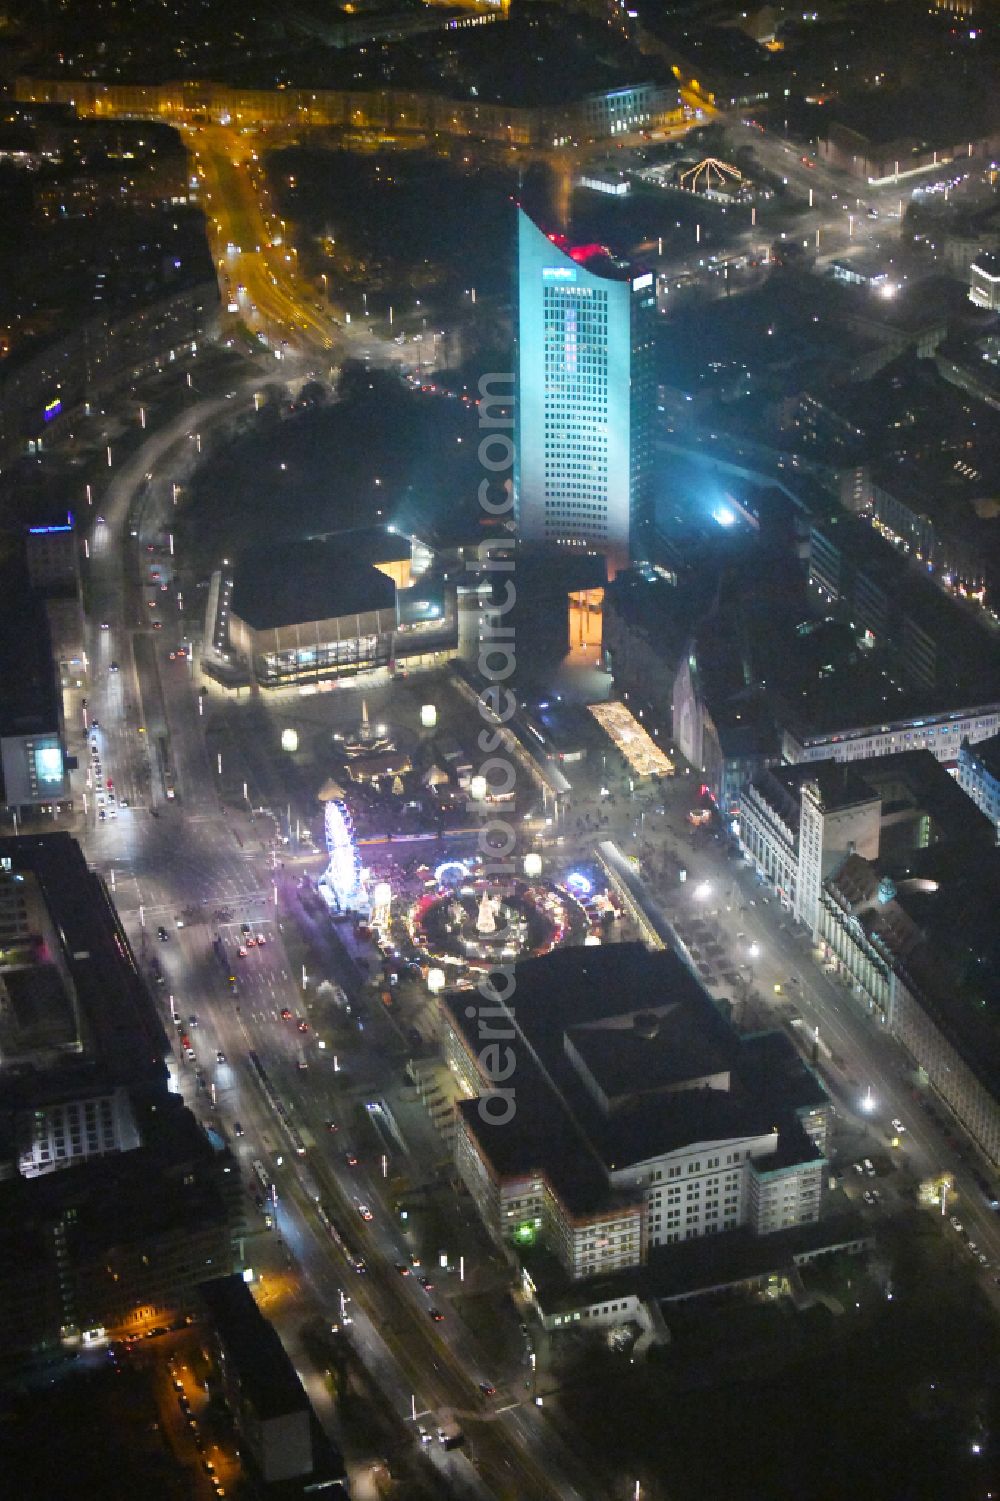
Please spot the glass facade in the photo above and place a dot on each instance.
(585, 399)
(325, 659)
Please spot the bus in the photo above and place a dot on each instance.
(264, 1179)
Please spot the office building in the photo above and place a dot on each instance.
(77, 1025)
(936, 646)
(979, 776)
(799, 823)
(278, 1430)
(51, 550)
(118, 1243)
(984, 280)
(860, 736)
(642, 1118)
(603, 115)
(916, 937)
(113, 1203)
(35, 776)
(585, 398)
(53, 560)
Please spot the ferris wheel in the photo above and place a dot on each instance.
(343, 882)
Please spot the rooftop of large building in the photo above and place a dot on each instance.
(909, 409)
(621, 1057)
(308, 579)
(967, 665)
(266, 1375)
(29, 696)
(168, 1185)
(598, 259)
(661, 611)
(80, 1015)
(932, 915)
(909, 784)
(915, 781)
(649, 1052)
(370, 544)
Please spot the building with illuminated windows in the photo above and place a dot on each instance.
(114, 1204)
(799, 823)
(979, 776)
(639, 1117)
(34, 772)
(316, 609)
(281, 1440)
(916, 940)
(984, 280)
(585, 398)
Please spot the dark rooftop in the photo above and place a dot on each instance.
(939, 932)
(292, 583)
(647, 1052)
(642, 1024)
(266, 1375)
(916, 781)
(123, 1040)
(988, 261)
(29, 698)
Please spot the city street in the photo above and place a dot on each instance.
(188, 859)
(258, 263)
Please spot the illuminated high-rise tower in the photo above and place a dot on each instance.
(586, 396)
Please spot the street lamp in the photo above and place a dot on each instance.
(533, 864)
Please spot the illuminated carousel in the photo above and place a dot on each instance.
(465, 922)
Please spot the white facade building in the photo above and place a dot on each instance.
(60, 1135)
(941, 733)
(634, 1129)
(798, 823)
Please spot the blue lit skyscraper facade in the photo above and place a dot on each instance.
(585, 398)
